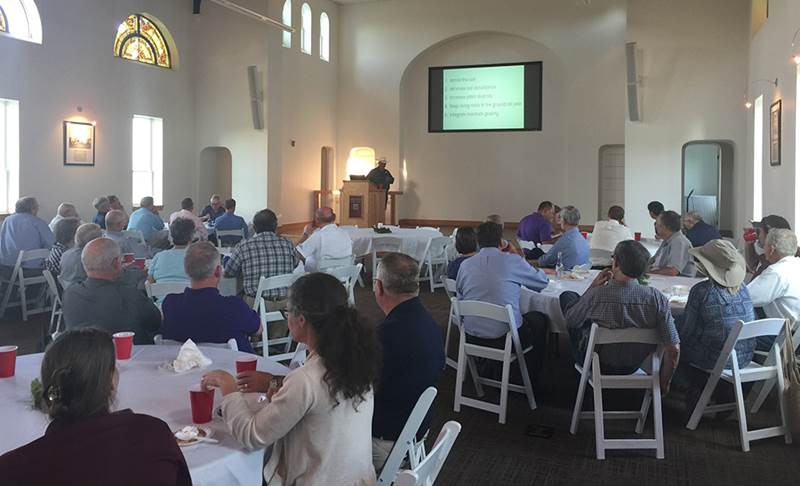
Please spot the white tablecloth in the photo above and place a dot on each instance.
(147, 389)
(547, 301)
(413, 240)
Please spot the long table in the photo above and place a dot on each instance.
(413, 241)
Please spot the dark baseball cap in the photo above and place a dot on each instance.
(772, 221)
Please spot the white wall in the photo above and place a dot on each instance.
(693, 68)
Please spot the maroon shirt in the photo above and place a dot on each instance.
(120, 449)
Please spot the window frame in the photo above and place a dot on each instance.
(9, 155)
(758, 157)
(155, 160)
(324, 37)
(306, 29)
(286, 18)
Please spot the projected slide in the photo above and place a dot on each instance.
(501, 97)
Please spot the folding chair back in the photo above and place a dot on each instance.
(599, 257)
(430, 228)
(384, 244)
(19, 280)
(450, 290)
(266, 284)
(159, 290)
(57, 311)
(231, 344)
(229, 234)
(135, 235)
(435, 260)
(428, 470)
(348, 276)
(326, 263)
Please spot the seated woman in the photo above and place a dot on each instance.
(714, 305)
(466, 246)
(85, 442)
(167, 265)
(320, 420)
(64, 234)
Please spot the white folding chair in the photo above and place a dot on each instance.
(512, 351)
(135, 235)
(428, 470)
(159, 290)
(326, 263)
(57, 311)
(750, 373)
(348, 276)
(20, 281)
(233, 233)
(450, 290)
(591, 374)
(763, 392)
(266, 284)
(431, 228)
(526, 245)
(600, 258)
(406, 443)
(384, 244)
(159, 340)
(434, 261)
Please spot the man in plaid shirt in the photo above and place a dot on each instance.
(266, 254)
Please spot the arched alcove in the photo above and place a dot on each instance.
(215, 173)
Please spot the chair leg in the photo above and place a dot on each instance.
(526, 381)
(430, 275)
(787, 433)
(23, 298)
(741, 412)
(763, 393)
(648, 397)
(697, 414)
(599, 429)
(447, 339)
(576, 413)
(658, 424)
(473, 370)
(460, 374)
(504, 387)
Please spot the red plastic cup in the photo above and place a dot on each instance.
(202, 404)
(585, 235)
(750, 234)
(246, 363)
(139, 263)
(637, 236)
(8, 361)
(123, 342)
(128, 258)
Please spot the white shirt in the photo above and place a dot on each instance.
(330, 241)
(777, 289)
(607, 234)
(199, 227)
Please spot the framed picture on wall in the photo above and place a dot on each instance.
(79, 143)
(775, 133)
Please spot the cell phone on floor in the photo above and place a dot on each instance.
(539, 431)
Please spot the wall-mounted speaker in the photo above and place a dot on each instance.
(256, 97)
(632, 83)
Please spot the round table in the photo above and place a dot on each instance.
(413, 240)
(147, 388)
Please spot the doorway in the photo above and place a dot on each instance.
(707, 182)
(611, 190)
(214, 173)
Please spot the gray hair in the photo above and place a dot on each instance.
(99, 256)
(783, 240)
(146, 202)
(99, 201)
(695, 216)
(64, 210)
(65, 229)
(86, 233)
(201, 259)
(215, 197)
(571, 215)
(496, 219)
(26, 204)
(398, 273)
(115, 218)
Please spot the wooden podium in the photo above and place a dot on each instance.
(362, 203)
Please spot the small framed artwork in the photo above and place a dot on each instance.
(775, 133)
(79, 143)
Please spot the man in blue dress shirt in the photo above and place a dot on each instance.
(23, 231)
(572, 246)
(698, 231)
(230, 221)
(147, 221)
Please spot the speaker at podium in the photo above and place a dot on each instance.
(362, 203)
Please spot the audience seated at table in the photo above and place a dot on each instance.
(102, 206)
(72, 270)
(168, 265)
(115, 223)
(323, 239)
(228, 221)
(86, 443)
(187, 211)
(23, 231)
(319, 421)
(413, 352)
(655, 208)
(466, 246)
(572, 246)
(200, 313)
(754, 250)
(106, 300)
(214, 209)
(713, 307)
(606, 234)
(698, 231)
(537, 227)
(672, 258)
(65, 239)
(266, 254)
(616, 300)
(147, 221)
(65, 210)
(496, 277)
(777, 289)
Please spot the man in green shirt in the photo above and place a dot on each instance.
(381, 177)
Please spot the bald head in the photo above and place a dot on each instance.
(325, 215)
(115, 220)
(101, 259)
(67, 210)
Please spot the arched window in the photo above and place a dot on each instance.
(20, 19)
(305, 29)
(287, 20)
(324, 37)
(144, 39)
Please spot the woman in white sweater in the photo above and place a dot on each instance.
(320, 420)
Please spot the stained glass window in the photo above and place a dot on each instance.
(140, 39)
(3, 21)
(20, 19)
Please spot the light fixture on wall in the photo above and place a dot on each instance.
(795, 47)
(749, 104)
(360, 161)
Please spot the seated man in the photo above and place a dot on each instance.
(655, 208)
(571, 246)
(72, 270)
(413, 352)
(505, 245)
(214, 209)
(187, 211)
(65, 210)
(102, 206)
(672, 258)
(615, 300)
(607, 234)
(147, 221)
(23, 231)
(266, 254)
(200, 313)
(777, 289)
(116, 205)
(466, 246)
(754, 250)
(537, 227)
(325, 240)
(496, 277)
(65, 239)
(229, 221)
(115, 223)
(106, 300)
(698, 231)
(168, 265)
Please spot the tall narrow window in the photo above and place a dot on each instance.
(758, 156)
(797, 159)
(305, 29)
(286, 17)
(148, 158)
(324, 37)
(9, 155)
(20, 19)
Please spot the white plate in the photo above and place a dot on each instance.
(209, 433)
